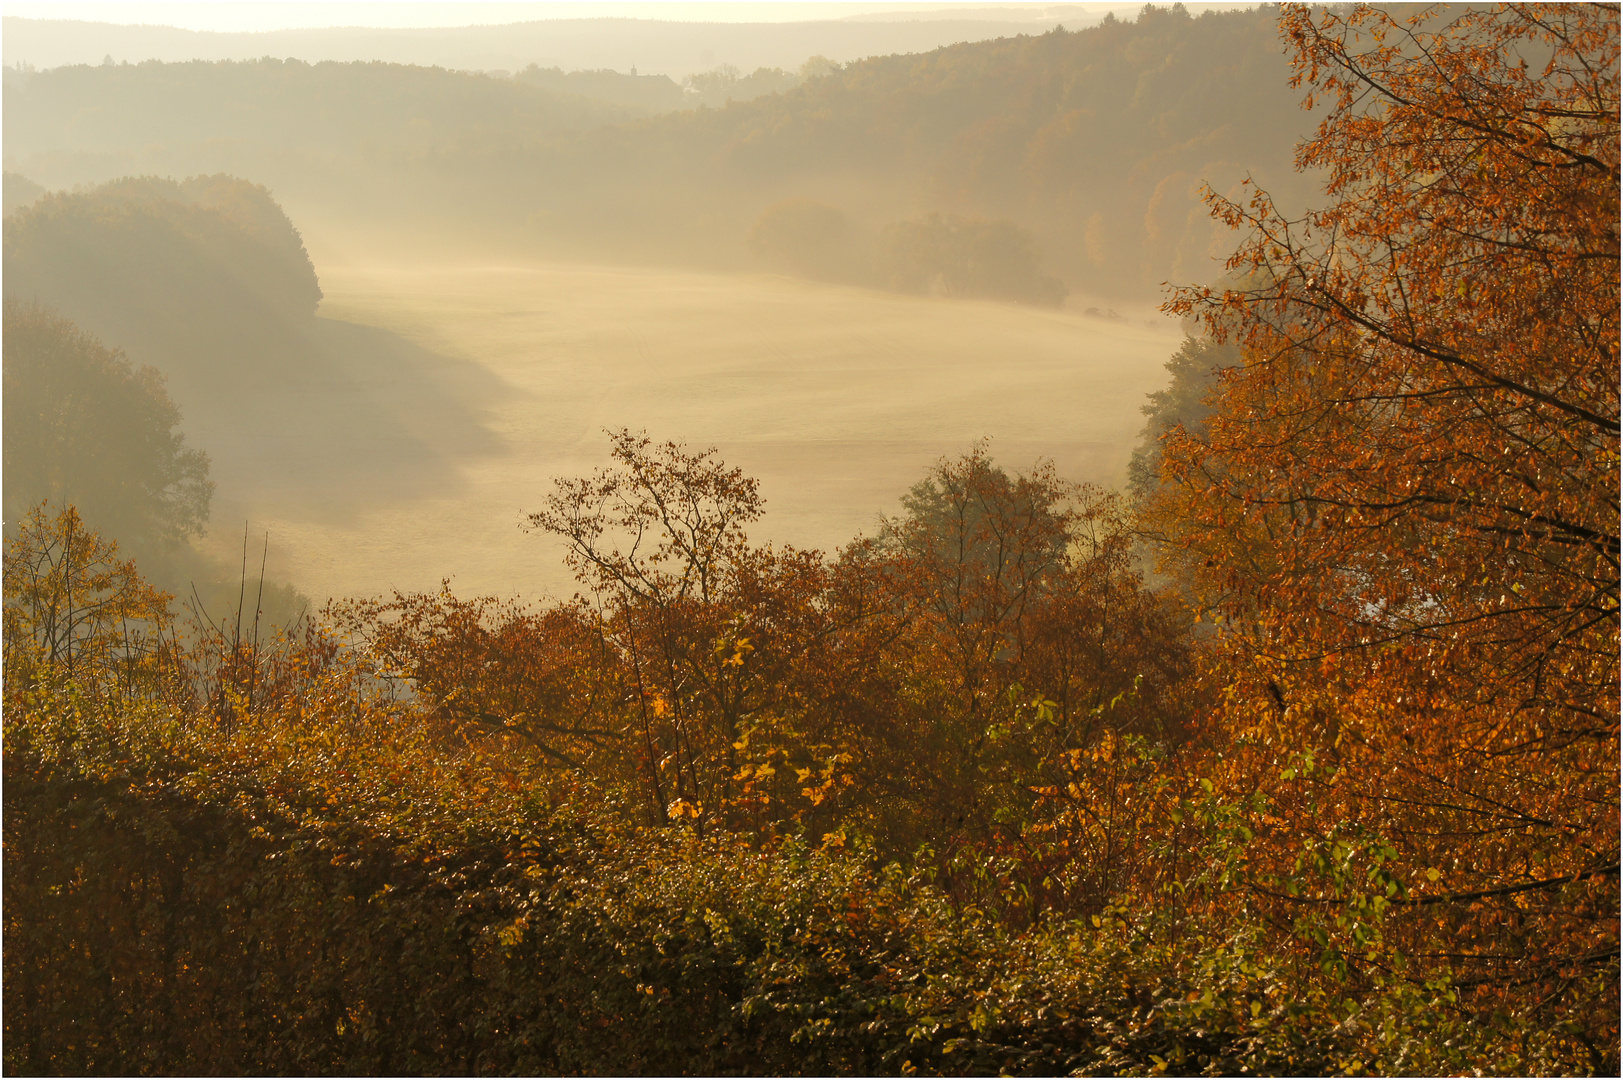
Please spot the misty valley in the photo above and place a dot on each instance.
(836, 399)
(897, 543)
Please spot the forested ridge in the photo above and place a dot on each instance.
(1097, 140)
(158, 248)
(1093, 141)
(326, 106)
(1336, 790)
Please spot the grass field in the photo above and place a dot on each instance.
(837, 399)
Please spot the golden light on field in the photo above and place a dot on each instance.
(836, 399)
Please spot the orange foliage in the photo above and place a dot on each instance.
(710, 680)
(1404, 511)
(71, 604)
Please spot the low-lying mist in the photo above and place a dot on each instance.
(392, 303)
(836, 398)
(387, 419)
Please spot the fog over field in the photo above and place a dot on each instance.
(837, 399)
(392, 302)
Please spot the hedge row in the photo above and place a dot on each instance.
(372, 899)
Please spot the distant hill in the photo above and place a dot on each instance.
(644, 93)
(657, 46)
(206, 285)
(1094, 142)
(310, 109)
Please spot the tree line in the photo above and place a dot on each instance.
(941, 255)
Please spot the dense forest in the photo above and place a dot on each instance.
(1299, 756)
(1096, 142)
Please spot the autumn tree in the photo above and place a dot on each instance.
(707, 625)
(497, 668)
(925, 687)
(74, 608)
(983, 546)
(1405, 505)
(1024, 578)
(1021, 643)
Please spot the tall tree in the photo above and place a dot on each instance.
(706, 624)
(1405, 505)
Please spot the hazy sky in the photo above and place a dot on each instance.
(392, 13)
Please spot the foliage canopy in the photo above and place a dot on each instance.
(1404, 504)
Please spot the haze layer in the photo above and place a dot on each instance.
(836, 398)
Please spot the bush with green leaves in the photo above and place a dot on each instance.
(348, 886)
